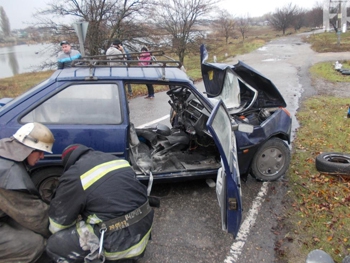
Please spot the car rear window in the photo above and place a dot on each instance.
(80, 104)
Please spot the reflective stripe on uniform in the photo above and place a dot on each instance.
(93, 219)
(55, 227)
(96, 173)
(131, 252)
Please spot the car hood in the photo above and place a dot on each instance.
(214, 76)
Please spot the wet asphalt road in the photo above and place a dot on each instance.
(187, 226)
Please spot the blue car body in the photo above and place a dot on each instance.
(87, 104)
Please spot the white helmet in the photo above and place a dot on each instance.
(35, 135)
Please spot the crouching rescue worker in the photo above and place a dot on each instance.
(23, 215)
(100, 210)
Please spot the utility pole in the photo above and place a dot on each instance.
(339, 23)
(336, 11)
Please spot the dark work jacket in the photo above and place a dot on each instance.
(100, 187)
(19, 198)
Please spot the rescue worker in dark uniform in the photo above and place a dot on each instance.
(100, 210)
(23, 215)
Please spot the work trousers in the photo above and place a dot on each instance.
(66, 246)
(18, 244)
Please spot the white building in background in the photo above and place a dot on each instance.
(335, 8)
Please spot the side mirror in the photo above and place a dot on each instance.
(243, 127)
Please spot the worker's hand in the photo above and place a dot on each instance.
(120, 48)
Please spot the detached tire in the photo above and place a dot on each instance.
(271, 161)
(332, 162)
(46, 181)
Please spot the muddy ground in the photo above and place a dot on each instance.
(287, 246)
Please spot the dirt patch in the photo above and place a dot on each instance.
(288, 240)
(338, 89)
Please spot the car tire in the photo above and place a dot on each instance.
(46, 181)
(333, 162)
(271, 161)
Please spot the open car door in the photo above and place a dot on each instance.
(228, 187)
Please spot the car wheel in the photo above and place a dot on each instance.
(271, 161)
(46, 181)
(332, 162)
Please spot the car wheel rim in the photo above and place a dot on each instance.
(47, 188)
(271, 161)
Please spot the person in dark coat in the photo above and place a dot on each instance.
(98, 199)
(23, 215)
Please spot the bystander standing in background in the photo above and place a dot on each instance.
(117, 48)
(67, 55)
(145, 58)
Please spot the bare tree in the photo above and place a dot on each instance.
(299, 19)
(108, 19)
(225, 23)
(178, 18)
(5, 23)
(334, 23)
(243, 25)
(314, 17)
(283, 17)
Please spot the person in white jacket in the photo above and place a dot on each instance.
(115, 49)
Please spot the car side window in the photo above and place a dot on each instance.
(80, 104)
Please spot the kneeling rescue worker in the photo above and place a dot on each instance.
(23, 215)
(100, 210)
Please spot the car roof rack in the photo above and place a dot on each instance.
(129, 60)
(132, 59)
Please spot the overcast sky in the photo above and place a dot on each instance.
(20, 11)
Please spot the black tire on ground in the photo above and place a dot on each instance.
(333, 162)
(271, 161)
(46, 181)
